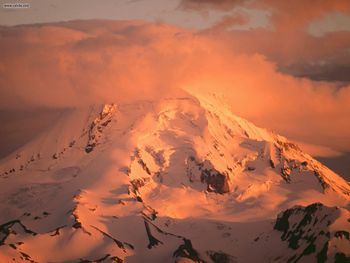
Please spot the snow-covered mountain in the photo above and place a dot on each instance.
(172, 180)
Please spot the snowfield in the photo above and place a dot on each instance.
(174, 180)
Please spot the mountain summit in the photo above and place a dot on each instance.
(173, 180)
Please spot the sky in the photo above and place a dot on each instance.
(285, 65)
(172, 12)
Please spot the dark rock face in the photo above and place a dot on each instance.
(216, 182)
(7, 228)
(141, 162)
(294, 231)
(136, 184)
(285, 146)
(96, 260)
(321, 180)
(186, 250)
(98, 125)
(90, 147)
(342, 234)
(152, 240)
(221, 257)
(307, 231)
(77, 225)
(341, 258)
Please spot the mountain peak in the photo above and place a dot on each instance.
(160, 176)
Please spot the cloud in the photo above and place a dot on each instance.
(293, 13)
(68, 64)
(319, 151)
(230, 21)
(287, 40)
(207, 4)
(302, 109)
(326, 57)
(74, 64)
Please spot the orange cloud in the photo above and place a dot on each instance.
(287, 41)
(74, 64)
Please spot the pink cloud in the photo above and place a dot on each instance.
(287, 41)
(74, 64)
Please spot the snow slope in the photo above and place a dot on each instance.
(175, 180)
